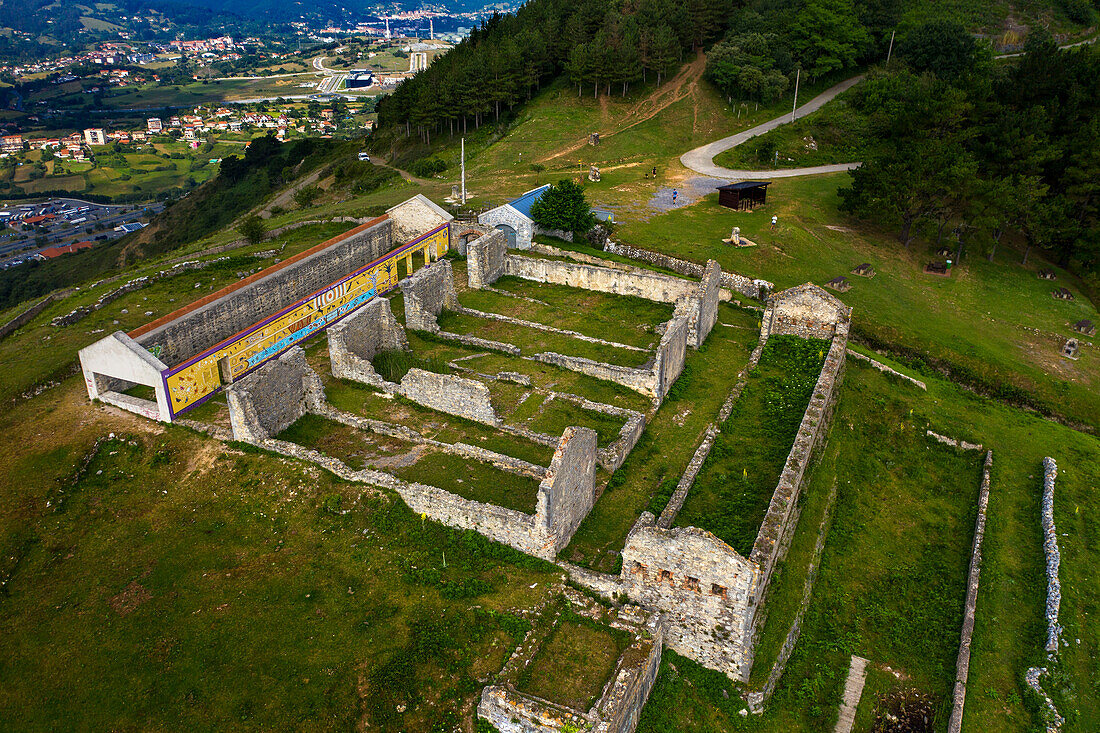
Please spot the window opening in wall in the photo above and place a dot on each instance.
(665, 575)
(639, 569)
(717, 590)
(691, 583)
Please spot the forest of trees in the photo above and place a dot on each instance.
(602, 47)
(967, 149)
(606, 47)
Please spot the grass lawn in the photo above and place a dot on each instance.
(460, 475)
(833, 134)
(756, 439)
(622, 319)
(669, 441)
(574, 663)
(994, 323)
(175, 584)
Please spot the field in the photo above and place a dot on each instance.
(343, 609)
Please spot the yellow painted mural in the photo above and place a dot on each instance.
(200, 377)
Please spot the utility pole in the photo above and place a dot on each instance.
(463, 171)
(890, 52)
(797, 76)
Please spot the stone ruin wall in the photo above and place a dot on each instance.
(451, 394)
(671, 356)
(777, 529)
(362, 335)
(756, 289)
(273, 397)
(637, 283)
(428, 292)
(703, 588)
(723, 635)
(485, 259)
(624, 695)
(568, 491)
(214, 322)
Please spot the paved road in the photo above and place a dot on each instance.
(701, 159)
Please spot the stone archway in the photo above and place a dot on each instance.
(510, 233)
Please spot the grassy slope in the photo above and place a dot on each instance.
(899, 305)
(128, 586)
(996, 319)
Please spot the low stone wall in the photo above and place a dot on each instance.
(707, 311)
(624, 695)
(568, 491)
(962, 665)
(1053, 556)
(758, 289)
(637, 283)
(485, 259)
(451, 394)
(506, 526)
(779, 523)
(702, 587)
(361, 336)
(26, 316)
(654, 382)
(428, 292)
(758, 698)
(273, 397)
(639, 380)
(613, 456)
(130, 286)
(543, 327)
(887, 370)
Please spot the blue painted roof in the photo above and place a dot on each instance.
(524, 203)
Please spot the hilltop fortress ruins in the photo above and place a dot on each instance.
(679, 587)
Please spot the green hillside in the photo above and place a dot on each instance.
(161, 579)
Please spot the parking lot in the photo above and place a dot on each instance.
(34, 227)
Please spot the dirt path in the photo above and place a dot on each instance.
(685, 83)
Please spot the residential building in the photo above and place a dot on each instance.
(95, 136)
(11, 143)
(153, 125)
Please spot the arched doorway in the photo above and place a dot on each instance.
(510, 233)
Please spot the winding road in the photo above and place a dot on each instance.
(701, 159)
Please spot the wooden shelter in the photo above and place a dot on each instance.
(744, 194)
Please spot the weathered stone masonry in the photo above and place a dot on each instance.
(273, 397)
(618, 708)
(361, 336)
(712, 597)
(429, 292)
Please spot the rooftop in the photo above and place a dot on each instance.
(524, 203)
(742, 185)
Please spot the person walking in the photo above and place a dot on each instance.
(674, 195)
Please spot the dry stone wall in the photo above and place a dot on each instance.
(618, 708)
(428, 292)
(702, 587)
(361, 336)
(970, 609)
(451, 394)
(485, 259)
(273, 397)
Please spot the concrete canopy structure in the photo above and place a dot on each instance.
(189, 354)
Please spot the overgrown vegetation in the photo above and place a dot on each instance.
(733, 489)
